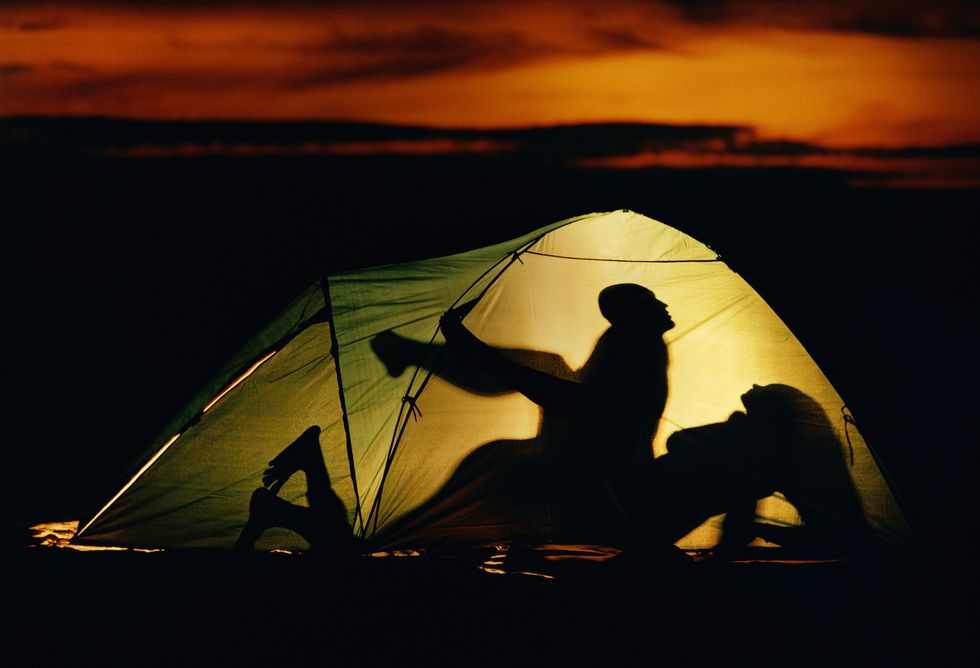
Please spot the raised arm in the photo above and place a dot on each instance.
(558, 395)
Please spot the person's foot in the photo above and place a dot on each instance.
(296, 457)
(389, 347)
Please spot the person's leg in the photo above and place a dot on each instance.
(266, 510)
(324, 522)
(303, 454)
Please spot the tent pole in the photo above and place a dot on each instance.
(402, 420)
(335, 352)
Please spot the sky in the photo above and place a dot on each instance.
(841, 74)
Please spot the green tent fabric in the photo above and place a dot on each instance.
(394, 429)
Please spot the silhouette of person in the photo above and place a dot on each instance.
(575, 480)
(782, 442)
(323, 524)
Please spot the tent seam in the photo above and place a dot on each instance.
(622, 261)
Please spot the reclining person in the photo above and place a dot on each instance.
(782, 442)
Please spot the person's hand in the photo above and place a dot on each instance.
(451, 324)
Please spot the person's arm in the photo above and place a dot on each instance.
(563, 397)
(398, 353)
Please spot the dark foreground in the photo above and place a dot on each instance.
(225, 609)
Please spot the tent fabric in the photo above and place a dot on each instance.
(419, 458)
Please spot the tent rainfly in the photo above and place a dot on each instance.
(357, 364)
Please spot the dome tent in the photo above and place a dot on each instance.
(392, 436)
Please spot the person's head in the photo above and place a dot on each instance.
(787, 412)
(628, 305)
(772, 402)
(795, 434)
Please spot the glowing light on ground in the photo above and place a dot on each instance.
(59, 534)
(397, 553)
(54, 533)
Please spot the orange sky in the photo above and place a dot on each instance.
(834, 73)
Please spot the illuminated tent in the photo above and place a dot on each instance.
(392, 437)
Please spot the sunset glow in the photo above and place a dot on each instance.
(817, 72)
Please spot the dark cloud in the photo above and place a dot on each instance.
(621, 146)
(889, 18)
(431, 49)
(7, 69)
(428, 38)
(427, 49)
(73, 68)
(41, 25)
(925, 21)
(705, 11)
(574, 139)
(128, 85)
(377, 70)
(778, 147)
(622, 38)
(969, 150)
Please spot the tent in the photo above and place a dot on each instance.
(356, 363)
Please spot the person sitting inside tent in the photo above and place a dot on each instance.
(609, 410)
(782, 442)
(323, 524)
(575, 480)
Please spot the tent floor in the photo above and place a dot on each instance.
(201, 608)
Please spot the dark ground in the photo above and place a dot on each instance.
(223, 609)
(128, 281)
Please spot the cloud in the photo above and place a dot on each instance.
(424, 50)
(73, 68)
(887, 18)
(41, 25)
(428, 38)
(893, 21)
(621, 39)
(132, 84)
(705, 11)
(6, 69)
(605, 146)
